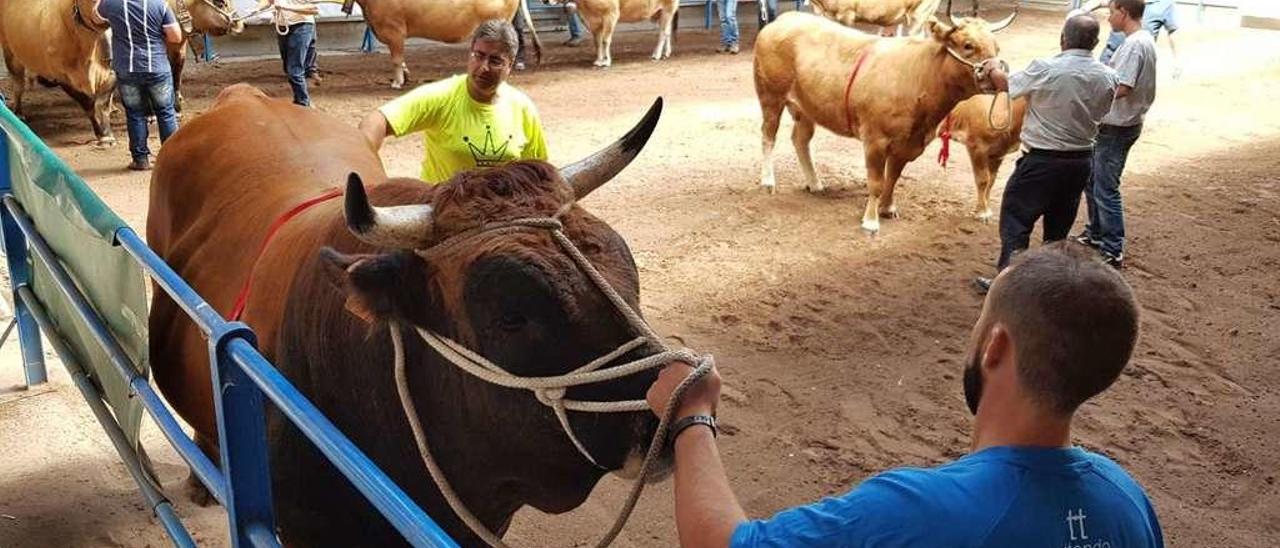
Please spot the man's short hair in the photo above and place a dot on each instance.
(497, 30)
(1072, 319)
(1135, 8)
(1080, 32)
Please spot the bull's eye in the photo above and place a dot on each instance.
(512, 322)
(968, 46)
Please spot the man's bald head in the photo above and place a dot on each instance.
(1080, 32)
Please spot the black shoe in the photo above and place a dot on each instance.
(1114, 261)
(983, 285)
(1085, 239)
(142, 164)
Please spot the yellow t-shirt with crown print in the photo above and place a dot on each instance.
(460, 133)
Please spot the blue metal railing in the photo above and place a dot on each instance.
(242, 378)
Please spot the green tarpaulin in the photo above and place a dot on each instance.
(80, 229)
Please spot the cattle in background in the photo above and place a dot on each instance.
(60, 42)
(514, 298)
(989, 134)
(602, 16)
(449, 21)
(198, 17)
(889, 93)
(885, 13)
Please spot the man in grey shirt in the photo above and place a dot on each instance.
(1135, 65)
(1068, 95)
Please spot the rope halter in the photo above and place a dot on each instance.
(550, 390)
(979, 75)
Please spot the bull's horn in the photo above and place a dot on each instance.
(951, 21)
(589, 173)
(397, 227)
(1004, 23)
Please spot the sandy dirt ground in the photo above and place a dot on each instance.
(841, 353)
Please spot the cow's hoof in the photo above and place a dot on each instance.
(198, 493)
(105, 142)
(770, 188)
(890, 213)
(816, 188)
(984, 216)
(871, 227)
(396, 86)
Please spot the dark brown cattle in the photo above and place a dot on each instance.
(323, 293)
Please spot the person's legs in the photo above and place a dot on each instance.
(296, 43)
(769, 11)
(575, 29)
(1111, 153)
(312, 60)
(135, 114)
(518, 23)
(728, 24)
(1072, 178)
(1025, 196)
(160, 90)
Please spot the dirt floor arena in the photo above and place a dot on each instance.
(841, 353)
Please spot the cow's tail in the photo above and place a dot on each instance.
(528, 23)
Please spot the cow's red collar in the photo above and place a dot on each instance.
(857, 65)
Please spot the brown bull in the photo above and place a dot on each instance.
(63, 42)
(885, 13)
(326, 286)
(602, 16)
(448, 21)
(889, 93)
(988, 135)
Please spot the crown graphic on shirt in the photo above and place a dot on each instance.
(488, 154)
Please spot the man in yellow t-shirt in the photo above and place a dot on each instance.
(468, 121)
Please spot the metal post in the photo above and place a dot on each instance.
(1199, 14)
(209, 54)
(15, 252)
(242, 442)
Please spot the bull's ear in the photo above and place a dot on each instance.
(380, 287)
(939, 30)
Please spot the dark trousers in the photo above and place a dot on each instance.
(1102, 195)
(517, 22)
(145, 93)
(293, 55)
(1045, 184)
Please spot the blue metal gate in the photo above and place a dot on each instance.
(242, 377)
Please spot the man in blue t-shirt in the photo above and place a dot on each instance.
(1158, 14)
(139, 31)
(1057, 327)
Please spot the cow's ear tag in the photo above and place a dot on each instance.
(355, 308)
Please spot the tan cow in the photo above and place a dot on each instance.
(989, 135)
(890, 93)
(885, 13)
(602, 16)
(448, 21)
(63, 42)
(212, 17)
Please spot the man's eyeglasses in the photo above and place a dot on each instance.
(495, 62)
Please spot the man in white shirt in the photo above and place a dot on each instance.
(1067, 96)
(295, 22)
(1135, 66)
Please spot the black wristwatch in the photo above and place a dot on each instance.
(680, 425)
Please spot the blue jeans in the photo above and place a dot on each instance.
(293, 55)
(728, 21)
(575, 28)
(770, 6)
(142, 94)
(1102, 194)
